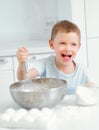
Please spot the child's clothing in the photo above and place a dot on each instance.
(47, 68)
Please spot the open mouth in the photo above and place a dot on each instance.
(67, 55)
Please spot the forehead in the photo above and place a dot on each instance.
(71, 36)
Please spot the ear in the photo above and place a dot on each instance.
(51, 44)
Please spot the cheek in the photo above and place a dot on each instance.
(61, 49)
(58, 49)
(76, 51)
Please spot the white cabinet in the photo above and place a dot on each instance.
(92, 18)
(31, 60)
(6, 78)
(93, 52)
(92, 36)
(6, 63)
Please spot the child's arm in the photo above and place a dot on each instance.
(22, 57)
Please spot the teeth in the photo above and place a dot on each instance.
(69, 55)
(66, 55)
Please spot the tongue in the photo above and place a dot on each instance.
(66, 57)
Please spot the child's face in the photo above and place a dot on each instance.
(66, 46)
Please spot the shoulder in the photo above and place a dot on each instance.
(48, 59)
(45, 61)
(51, 57)
(83, 72)
(81, 66)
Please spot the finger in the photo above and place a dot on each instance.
(23, 49)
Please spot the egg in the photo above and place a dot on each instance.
(47, 113)
(10, 111)
(40, 121)
(5, 117)
(34, 113)
(18, 115)
(30, 116)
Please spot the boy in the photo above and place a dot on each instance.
(65, 41)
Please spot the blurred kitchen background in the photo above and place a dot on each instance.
(28, 23)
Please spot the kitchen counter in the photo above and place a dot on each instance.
(66, 115)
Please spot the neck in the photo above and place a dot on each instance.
(67, 69)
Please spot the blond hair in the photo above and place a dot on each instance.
(64, 26)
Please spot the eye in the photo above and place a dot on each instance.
(62, 43)
(74, 44)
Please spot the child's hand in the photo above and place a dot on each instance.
(90, 84)
(22, 54)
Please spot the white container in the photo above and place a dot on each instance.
(87, 95)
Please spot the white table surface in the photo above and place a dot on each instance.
(69, 116)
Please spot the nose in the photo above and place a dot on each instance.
(67, 47)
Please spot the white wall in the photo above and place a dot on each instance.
(30, 21)
(78, 17)
(92, 34)
(85, 15)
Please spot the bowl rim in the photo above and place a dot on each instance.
(19, 83)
